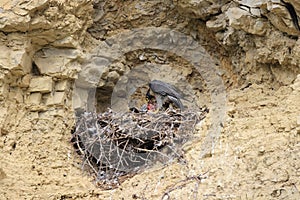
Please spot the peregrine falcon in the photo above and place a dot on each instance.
(164, 92)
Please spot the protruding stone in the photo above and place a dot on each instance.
(50, 65)
(25, 81)
(200, 9)
(35, 98)
(3, 91)
(2, 174)
(3, 113)
(113, 76)
(285, 78)
(15, 59)
(16, 94)
(242, 20)
(67, 42)
(41, 84)
(53, 61)
(92, 72)
(80, 98)
(56, 99)
(217, 24)
(298, 121)
(296, 85)
(279, 16)
(61, 86)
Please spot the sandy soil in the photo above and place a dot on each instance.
(256, 156)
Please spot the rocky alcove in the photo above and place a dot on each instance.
(238, 58)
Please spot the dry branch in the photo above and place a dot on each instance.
(114, 145)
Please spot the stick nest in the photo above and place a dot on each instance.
(114, 145)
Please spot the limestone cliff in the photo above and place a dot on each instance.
(240, 58)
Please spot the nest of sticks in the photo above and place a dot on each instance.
(114, 145)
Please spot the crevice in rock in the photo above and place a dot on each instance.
(35, 70)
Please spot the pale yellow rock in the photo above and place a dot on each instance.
(295, 3)
(7, 4)
(61, 85)
(199, 9)
(57, 112)
(298, 121)
(54, 61)
(3, 91)
(15, 59)
(68, 42)
(80, 97)
(16, 93)
(25, 80)
(285, 78)
(279, 16)
(13, 22)
(56, 99)
(35, 98)
(3, 113)
(242, 19)
(41, 84)
(4, 56)
(33, 115)
(20, 11)
(50, 65)
(261, 117)
(217, 24)
(91, 75)
(296, 84)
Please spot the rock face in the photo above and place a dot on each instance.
(239, 58)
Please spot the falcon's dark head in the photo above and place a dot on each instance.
(148, 95)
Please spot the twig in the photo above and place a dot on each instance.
(183, 184)
(114, 142)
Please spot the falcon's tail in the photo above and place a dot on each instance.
(177, 102)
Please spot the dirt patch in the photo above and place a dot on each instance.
(46, 45)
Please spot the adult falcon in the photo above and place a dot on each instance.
(163, 92)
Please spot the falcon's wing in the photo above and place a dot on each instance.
(164, 89)
(177, 102)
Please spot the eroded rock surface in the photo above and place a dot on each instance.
(51, 48)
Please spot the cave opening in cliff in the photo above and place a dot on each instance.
(124, 83)
(117, 126)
